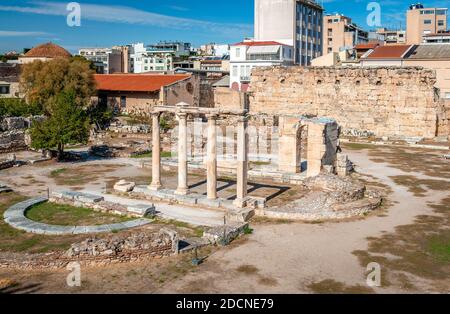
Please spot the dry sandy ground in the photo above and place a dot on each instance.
(276, 258)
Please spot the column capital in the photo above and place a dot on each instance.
(181, 115)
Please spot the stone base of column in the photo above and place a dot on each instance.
(154, 187)
(240, 203)
(181, 191)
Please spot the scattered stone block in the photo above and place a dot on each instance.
(240, 215)
(124, 186)
(142, 210)
(224, 234)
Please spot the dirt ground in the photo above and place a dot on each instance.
(408, 237)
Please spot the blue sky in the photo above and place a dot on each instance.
(26, 23)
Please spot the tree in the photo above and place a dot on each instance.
(67, 123)
(42, 82)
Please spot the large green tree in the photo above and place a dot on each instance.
(42, 82)
(67, 123)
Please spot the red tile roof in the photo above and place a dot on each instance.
(48, 50)
(259, 43)
(367, 46)
(389, 52)
(136, 82)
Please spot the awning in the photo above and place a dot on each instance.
(263, 49)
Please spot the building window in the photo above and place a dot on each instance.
(235, 70)
(238, 52)
(441, 12)
(441, 23)
(427, 22)
(4, 89)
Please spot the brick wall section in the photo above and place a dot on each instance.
(396, 102)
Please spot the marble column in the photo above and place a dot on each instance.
(182, 155)
(211, 158)
(156, 153)
(242, 163)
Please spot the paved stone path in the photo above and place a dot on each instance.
(15, 217)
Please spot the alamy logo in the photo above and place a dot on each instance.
(73, 279)
(374, 277)
(374, 17)
(74, 17)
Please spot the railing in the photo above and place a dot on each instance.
(245, 78)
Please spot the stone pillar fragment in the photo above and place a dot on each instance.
(182, 155)
(211, 158)
(242, 163)
(156, 153)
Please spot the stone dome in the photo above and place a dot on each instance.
(48, 50)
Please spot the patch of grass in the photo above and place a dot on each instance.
(413, 160)
(79, 176)
(330, 286)
(357, 146)
(419, 249)
(13, 240)
(57, 172)
(439, 247)
(247, 269)
(248, 230)
(163, 154)
(419, 187)
(66, 215)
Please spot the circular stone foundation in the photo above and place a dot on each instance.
(15, 217)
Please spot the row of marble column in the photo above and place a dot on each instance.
(211, 157)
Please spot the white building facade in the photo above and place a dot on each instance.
(248, 54)
(296, 23)
(106, 60)
(158, 57)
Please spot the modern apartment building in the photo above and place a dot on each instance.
(339, 33)
(440, 38)
(106, 60)
(296, 23)
(392, 37)
(246, 55)
(158, 57)
(423, 21)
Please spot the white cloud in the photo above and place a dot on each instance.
(21, 34)
(129, 15)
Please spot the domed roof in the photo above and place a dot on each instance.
(48, 50)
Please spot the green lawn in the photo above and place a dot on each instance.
(149, 155)
(13, 240)
(65, 215)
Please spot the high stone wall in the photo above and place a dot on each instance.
(394, 102)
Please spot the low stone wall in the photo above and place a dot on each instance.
(100, 251)
(12, 141)
(13, 136)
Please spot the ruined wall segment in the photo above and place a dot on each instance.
(394, 102)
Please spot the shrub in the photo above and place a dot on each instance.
(16, 107)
